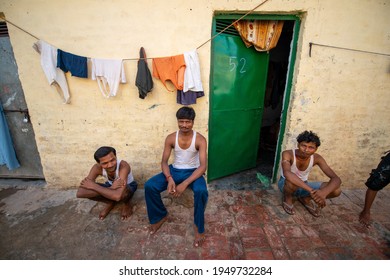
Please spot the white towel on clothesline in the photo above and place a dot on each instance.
(49, 65)
(192, 79)
(108, 73)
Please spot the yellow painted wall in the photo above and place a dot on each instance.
(342, 95)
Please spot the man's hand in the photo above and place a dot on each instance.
(171, 186)
(118, 183)
(318, 197)
(180, 189)
(87, 183)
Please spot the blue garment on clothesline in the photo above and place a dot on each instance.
(7, 151)
(75, 64)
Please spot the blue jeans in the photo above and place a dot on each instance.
(299, 192)
(158, 183)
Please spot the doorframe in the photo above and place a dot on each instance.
(290, 70)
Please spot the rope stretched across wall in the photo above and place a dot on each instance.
(311, 44)
(342, 48)
(251, 11)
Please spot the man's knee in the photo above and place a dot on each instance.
(148, 186)
(335, 193)
(151, 186)
(80, 193)
(289, 187)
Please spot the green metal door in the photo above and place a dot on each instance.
(238, 81)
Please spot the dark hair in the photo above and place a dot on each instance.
(103, 151)
(309, 136)
(185, 113)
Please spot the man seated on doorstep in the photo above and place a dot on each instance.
(190, 160)
(119, 186)
(296, 166)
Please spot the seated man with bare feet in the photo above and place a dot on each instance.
(187, 170)
(119, 186)
(379, 178)
(296, 166)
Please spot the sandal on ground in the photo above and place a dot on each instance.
(288, 208)
(312, 207)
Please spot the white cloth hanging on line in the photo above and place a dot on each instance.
(53, 74)
(109, 73)
(192, 79)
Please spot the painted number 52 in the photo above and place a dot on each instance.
(234, 63)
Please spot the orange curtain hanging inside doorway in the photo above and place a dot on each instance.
(262, 34)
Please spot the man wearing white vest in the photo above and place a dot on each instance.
(296, 166)
(119, 183)
(187, 170)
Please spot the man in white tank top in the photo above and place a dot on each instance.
(187, 170)
(296, 167)
(119, 186)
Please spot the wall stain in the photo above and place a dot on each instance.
(154, 106)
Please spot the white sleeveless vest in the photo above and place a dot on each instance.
(303, 175)
(186, 159)
(130, 177)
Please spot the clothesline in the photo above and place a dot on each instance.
(200, 46)
(251, 11)
(343, 48)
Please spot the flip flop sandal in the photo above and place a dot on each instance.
(313, 208)
(288, 208)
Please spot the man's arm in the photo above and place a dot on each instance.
(202, 148)
(124, 170)
(168, 146)
(334, 181)
(84, 192)
(116, 192)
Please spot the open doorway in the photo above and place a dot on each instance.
(273, 100)
(230, 133)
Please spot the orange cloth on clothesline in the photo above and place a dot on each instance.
(170, 68)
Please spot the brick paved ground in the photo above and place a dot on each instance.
(243, 221)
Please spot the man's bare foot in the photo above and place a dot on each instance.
(154, 227)
(126, 211)
(106, 210)
(365, 219)
(199, 237)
